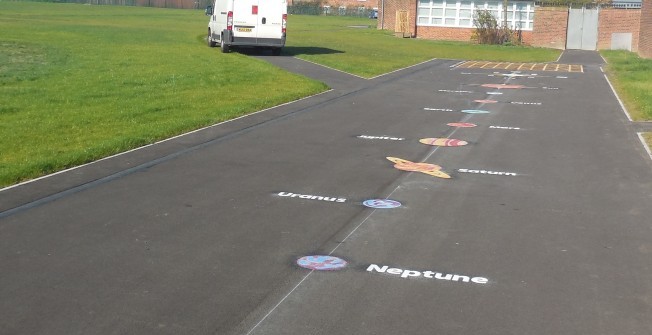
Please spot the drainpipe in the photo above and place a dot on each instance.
(382, 16)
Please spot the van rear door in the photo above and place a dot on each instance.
(270, 20)
(245, 19)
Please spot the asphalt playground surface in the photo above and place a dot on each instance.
(544, 226)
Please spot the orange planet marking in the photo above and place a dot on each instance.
(429, 169)
(462, 124)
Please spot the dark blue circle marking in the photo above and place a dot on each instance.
(321, 263)
(381, 203)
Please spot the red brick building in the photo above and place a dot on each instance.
(539, 26)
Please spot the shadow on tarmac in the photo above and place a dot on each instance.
(288, 51)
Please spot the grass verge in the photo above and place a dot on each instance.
(80, 82)
(340, 43)
(630, 76)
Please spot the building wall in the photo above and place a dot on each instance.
(387, 20)
(616, 20)
(645, 36)
(550, 25)
(458, 34)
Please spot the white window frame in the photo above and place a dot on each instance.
(526, 22)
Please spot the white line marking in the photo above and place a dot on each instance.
(331, 68)
(458, 64)
(616, 95)
(405, 68)
(558, 58)
(155, 143)
(280, 302)
(311, 271)
(647, 147)
(355, 75)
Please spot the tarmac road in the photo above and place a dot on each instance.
(543, 227)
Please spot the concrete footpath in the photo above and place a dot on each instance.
(337, 214)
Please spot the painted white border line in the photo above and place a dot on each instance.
(647, 147)
(616, 95)
(330, 68)
(155, 143)
(405, 68)
(355, 75)
(458, 64)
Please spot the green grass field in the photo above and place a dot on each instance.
(81, 82)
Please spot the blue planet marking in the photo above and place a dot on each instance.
(381, 203)
(321, 262)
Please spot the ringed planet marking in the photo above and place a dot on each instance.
(443, 142)
(462, 124)
(321, 263)
(381, 203)
(429, 169)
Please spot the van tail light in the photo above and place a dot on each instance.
(229, 21)
(285, 23)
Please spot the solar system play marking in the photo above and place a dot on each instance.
(453, 91)
(381, 203)
(321, 263)
(516, 87)
(525, 103)
(429, 169)
(462, 124)
(311, 197)
(443, 142)
(487, 172)
(504, 86)
(503, 127)
(467, 111)
(405, 274)
(488, 101)
(439, 109)
(383, 137)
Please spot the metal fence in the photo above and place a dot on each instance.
(301, 8)
(313, 8)
(180, 4)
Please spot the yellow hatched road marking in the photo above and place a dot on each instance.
(522, 66)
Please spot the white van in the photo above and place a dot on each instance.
(247, 23)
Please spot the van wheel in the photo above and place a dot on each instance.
(211, 43)
(224, 46)
(276, 51)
